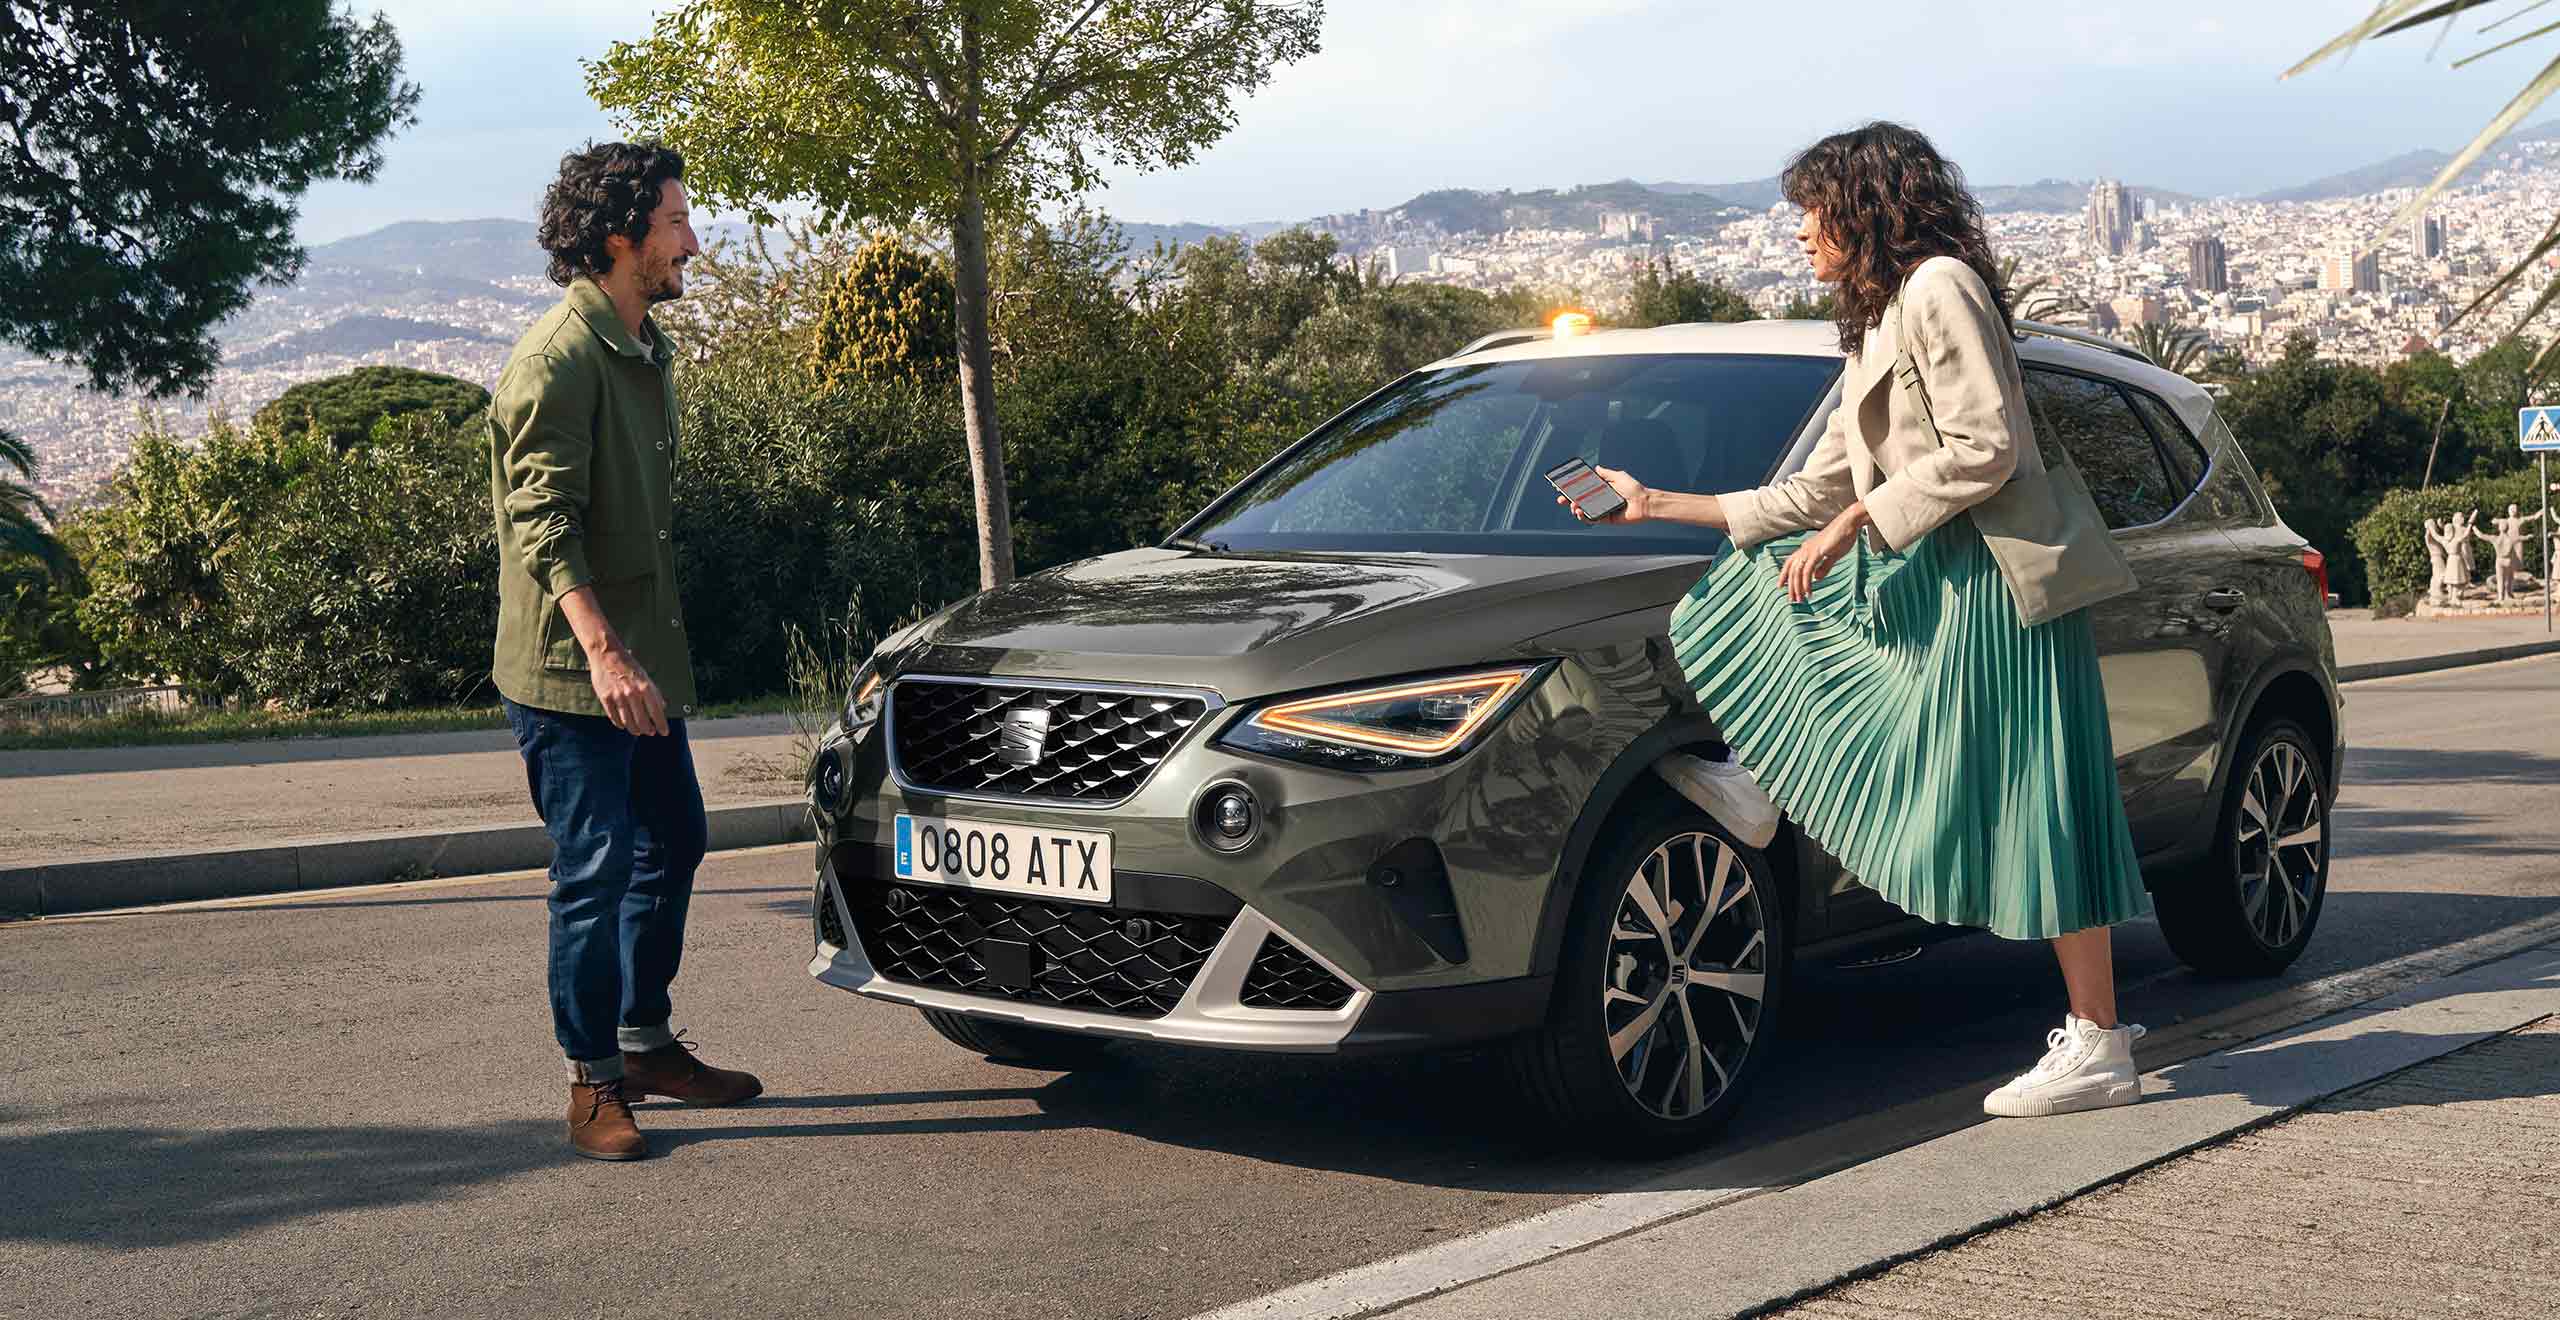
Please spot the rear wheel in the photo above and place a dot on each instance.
(2251, 910)
(1016, 1044)
(1667, 991)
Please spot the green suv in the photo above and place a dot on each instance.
(1371, 755)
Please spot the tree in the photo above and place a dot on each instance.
(155, 155)
(344, 408)
(890, 317)
(2172, 346)
(1801, 308)
(27, 545)
(948, 110)
(1664, 296)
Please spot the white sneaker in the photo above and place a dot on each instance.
(1726, 791)
(2085, 1066)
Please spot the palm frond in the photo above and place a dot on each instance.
(2387, 17)
(18, 454)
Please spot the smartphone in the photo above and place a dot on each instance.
(1591, 494)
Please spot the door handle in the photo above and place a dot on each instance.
(2224, 599)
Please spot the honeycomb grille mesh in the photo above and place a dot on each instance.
(1101, 746)
(1107, 960)
(1282, 977)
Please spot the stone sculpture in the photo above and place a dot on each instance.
(2507, 549)
(2449, 550)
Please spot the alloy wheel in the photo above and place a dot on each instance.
(2282, 844)
(1687, 971)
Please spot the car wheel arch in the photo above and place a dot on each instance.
(1628, 781)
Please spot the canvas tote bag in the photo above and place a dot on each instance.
(2053, 548)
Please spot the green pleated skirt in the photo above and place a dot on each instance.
(1954, 760)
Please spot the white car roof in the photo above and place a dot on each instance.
(1821, 339)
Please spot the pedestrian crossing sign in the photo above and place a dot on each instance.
(2538, 428)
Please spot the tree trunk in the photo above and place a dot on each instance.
(978, 389)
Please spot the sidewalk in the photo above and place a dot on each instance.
(118, 801)
(2401, 1158)
(2435, 1192)
(2403, 645)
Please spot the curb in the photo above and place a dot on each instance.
(2421, 664)
(58, 888)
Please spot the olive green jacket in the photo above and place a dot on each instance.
(581, 459)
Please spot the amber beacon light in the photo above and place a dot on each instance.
(1569, 324)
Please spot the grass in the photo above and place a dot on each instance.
(152, 728)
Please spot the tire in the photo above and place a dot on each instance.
(1635, 1096)
(1016, 1044)
(2252, 907)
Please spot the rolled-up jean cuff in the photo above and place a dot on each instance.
(635, 1039)
(592, 1071)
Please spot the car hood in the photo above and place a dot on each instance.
(1249, 624)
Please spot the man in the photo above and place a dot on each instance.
(590, 654)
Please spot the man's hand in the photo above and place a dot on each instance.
(1818, 552)
(631, 698)
(1639, 498)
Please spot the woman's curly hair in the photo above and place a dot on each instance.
(604, 188)
(1889, 201)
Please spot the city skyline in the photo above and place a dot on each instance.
(2084, 88)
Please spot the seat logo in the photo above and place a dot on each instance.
(1023, 737)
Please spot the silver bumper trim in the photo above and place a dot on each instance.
(1212, 1011)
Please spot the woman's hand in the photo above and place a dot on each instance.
(1639, 498)
(1820, 551)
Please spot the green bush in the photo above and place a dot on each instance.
(345, 408)
(267, 565)
(891, 317)
(2393, 544)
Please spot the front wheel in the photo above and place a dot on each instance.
(2251, 910)
(1668, 989)
(1016, 1044)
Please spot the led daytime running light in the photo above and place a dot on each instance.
(1305, 717)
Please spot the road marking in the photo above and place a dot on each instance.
(348, 891)
(1703, 1184)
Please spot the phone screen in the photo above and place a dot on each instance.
(1591, 494)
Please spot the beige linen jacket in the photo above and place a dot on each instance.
(1877, 448)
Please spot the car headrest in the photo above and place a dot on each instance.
(1644, 448)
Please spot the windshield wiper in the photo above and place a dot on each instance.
(1186, 543)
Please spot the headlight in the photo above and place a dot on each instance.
(862, 704)
(1394, 727)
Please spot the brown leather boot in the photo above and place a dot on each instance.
(672, 1071)
(600, 1125)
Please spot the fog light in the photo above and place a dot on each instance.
(1227, 817)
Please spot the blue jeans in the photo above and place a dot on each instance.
(625, 818)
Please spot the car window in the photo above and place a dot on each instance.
(2092, 420)
(2178, 445)
(1452, 461)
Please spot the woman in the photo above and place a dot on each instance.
(1861, 653)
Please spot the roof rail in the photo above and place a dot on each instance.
(1504, 339)
(2118, 347)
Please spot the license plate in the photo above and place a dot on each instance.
(1015, 859)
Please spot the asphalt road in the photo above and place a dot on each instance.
(351, 1106)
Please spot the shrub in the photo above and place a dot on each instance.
(2393, 544)
(344, 408)
(891, 317)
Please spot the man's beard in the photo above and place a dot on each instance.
(666, 283)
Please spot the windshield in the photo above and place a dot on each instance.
(1454, 461)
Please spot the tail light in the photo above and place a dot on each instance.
(2317, 565)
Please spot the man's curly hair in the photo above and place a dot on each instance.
(604, 188)
(1889, 201)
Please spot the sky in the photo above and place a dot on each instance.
(1412, 95)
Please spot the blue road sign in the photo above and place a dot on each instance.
(2538, 429)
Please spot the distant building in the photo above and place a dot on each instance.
(1629, 225)
(2208, 265)
(2139, 309)
(1399, 259)
(2109, 225)
(2426, 238)
(2346, 270)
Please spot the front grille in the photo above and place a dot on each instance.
(1100, 745)
(830, 926)
(1282, 977)
(1136, 964)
